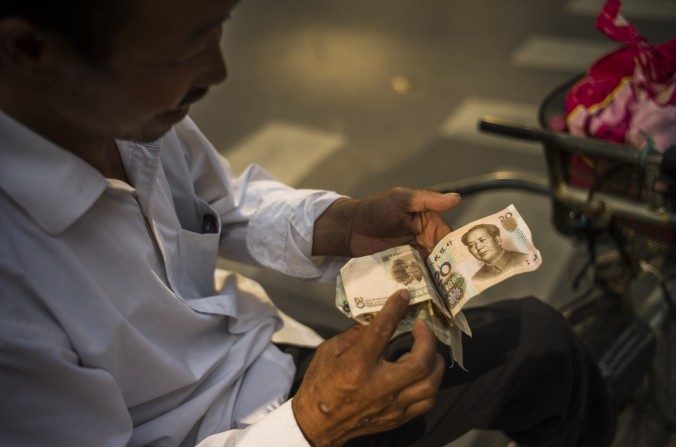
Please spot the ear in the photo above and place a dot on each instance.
(498, 239)
(27, 50)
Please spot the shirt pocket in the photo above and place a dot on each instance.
(198, 253)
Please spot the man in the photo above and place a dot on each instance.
(113, 208)
(485, 244)
(406, 269)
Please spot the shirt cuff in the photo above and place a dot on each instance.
(278, 428)
(280, 232)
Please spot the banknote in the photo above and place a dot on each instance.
(420, 310)
(369, 280)
(463, 264)
(480, 255)
(445, 331)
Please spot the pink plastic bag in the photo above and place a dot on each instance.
(628, 94)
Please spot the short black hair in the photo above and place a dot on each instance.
(491, 229)
(87, 25)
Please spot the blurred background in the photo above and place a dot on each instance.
(357, 96)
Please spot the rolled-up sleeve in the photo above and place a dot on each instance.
(264, 222)
(279, 231)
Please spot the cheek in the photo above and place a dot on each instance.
(153, 93)
(123, 100)
(128, 108)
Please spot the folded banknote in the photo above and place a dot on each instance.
(462, 265)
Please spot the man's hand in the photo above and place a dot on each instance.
(349, 390)
(399, 216)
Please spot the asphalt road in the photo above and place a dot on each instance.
(357, 96)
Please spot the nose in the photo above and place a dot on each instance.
(215, 70)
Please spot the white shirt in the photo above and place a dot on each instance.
(111, 330)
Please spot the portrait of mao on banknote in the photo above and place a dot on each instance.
(481, 254)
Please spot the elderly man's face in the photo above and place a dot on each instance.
(483, 246)
(164, 58)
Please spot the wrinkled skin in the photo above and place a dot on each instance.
(349, 390)
(395, 217)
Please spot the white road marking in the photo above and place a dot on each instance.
(288, 151)
(462, 123)
(631, 9)
(560, 53)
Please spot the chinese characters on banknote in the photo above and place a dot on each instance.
(463, 264)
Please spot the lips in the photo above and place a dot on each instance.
(176, 115)
(192, 97)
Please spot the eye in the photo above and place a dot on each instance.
(195, 53)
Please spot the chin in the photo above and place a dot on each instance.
(149, 133)
(156, 127)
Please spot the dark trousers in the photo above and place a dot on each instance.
(527, 374)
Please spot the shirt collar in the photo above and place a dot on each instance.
(499, 263)
(52, 185)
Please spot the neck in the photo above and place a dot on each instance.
(497, 259)
(98, 151)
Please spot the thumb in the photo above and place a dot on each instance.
(420, 201)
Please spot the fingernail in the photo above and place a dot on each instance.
(453, 194)
(405, 295)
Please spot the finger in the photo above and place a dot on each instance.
(417, 201)
(346, 339)
(435, 231)
(420, 407)
(429, 226)
(341, 342)
(425, 388)
(420, 361)
(414, 222)
(441, 227)
(376, 335)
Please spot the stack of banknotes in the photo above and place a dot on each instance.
(462, 265)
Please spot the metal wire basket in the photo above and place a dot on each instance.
(615, 177)
(595, 186)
